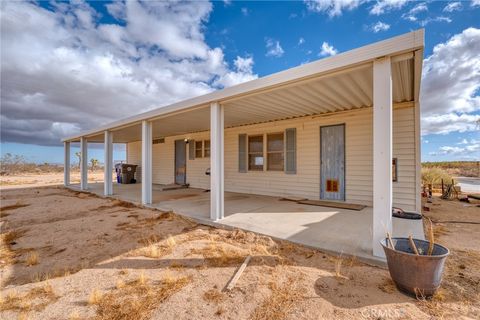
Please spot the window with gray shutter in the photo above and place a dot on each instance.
(242, 153)
(290, 151)
(191, 149)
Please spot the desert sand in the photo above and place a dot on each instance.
(72, 255)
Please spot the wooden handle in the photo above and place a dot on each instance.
(390, 240)
(412, 245)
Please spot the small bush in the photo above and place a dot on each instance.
(434, 176)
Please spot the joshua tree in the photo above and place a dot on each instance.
(78, 154)
(94, 163)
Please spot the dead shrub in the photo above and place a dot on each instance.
(217, 255)
(282, 301)
(95, 297)
(137, 301)
(32, 259)
(213, 295)
(7, 253)
(388, 286)
(36, 299)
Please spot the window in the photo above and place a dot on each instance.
(255, 153)
(275, 152)
(198, 149)
(206, 146)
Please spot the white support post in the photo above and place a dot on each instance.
(146, 162)
(216, 161)
(108, 168)
(83, 164)
(66, 164)
(382, 152)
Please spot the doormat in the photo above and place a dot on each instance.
(332, 204)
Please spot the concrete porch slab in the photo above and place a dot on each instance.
(340, 231)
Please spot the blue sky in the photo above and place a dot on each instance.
(114, 59)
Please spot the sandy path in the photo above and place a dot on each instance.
(98, 258)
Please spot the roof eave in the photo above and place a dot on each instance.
(408, 42)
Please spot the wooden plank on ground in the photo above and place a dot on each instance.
(332, 204)
(237, 275)
(294, 199)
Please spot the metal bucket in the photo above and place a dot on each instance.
(418, 275)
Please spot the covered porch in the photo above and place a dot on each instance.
(340, 231)
(360, 90)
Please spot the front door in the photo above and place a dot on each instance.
(180, 162)
(332, 162)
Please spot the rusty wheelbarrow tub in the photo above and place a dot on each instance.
(418, 275)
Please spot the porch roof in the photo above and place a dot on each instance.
(338, 83)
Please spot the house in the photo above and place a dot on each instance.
(345, 128)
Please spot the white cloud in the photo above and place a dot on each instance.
(428, 20)
(68, 72)
(274, 49)
(245, 11)
(327, 50)
(382, 6)
(332, 7)
(379, 26)
(457, 151)
(301, 41)
(243, 72)
(472, 141)
(453, 6)
(411, 15)
(449, 122)
(451, 75)
(475, 3)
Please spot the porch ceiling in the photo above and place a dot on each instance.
(347, 89)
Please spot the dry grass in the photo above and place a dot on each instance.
(95, 297)
(136, 300)
(388, 286)
(32, 259)
(154, 249)
(156, 218)
(6, 252)
(36, 299)
(281, 302)
(219, 255)
(213, 295)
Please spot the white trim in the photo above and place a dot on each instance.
(146, 162)
(83, 163)
(382, 152)
(418, 59)
(66, 164)
(217, 131)
(108, 167)
(394, 46)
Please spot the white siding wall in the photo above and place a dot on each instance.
(306, 183)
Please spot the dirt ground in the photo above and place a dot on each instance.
(29, 180)
(72, 255)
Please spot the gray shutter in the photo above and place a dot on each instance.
(242, 153)
(290, 151)
(191, 149)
